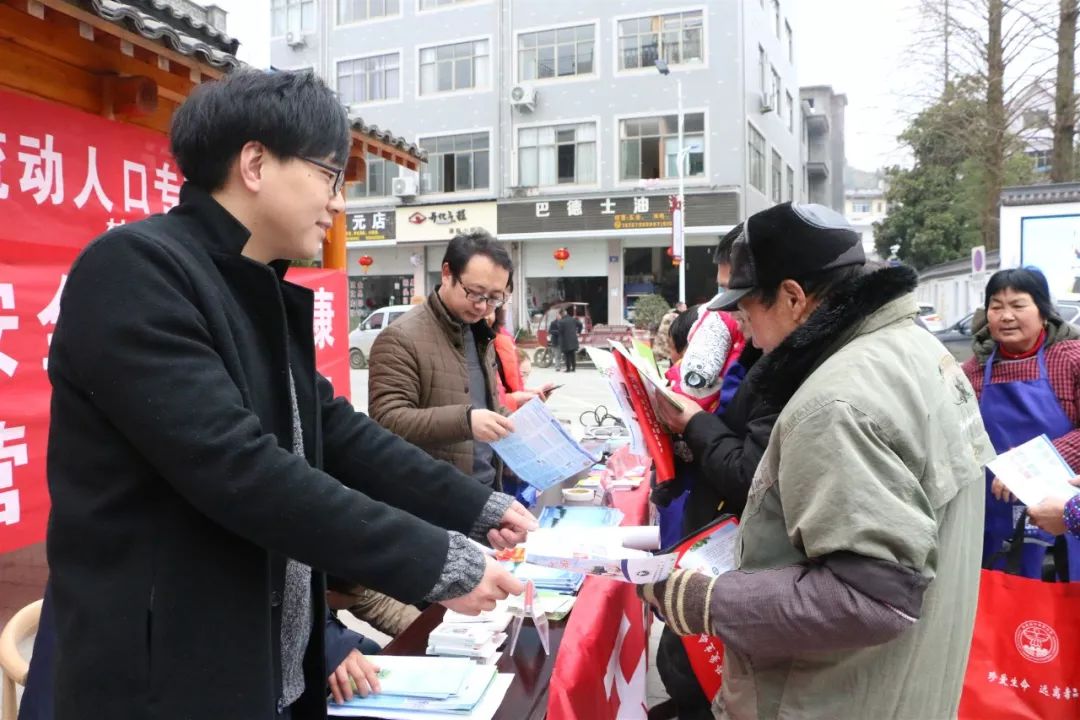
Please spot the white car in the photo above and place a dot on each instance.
(362, 338)
(930, 318)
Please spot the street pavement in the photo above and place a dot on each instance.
(582, 391)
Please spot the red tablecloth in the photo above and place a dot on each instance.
(601, 663)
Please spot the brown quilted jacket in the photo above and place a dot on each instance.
(418, 386)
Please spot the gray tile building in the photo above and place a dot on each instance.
(548, 123)
(825, 159)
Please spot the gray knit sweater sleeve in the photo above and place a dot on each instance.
(465, 562)
(490, 515)
(463, 571)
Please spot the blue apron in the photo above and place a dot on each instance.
(1013, 413)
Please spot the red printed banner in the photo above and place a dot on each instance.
(331, 323)
(66, 177)
(600, 668)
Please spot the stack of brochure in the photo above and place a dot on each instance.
(562, 516)
(473, 637)
(435, 686)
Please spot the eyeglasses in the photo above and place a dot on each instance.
(477, 298)
(337, 172)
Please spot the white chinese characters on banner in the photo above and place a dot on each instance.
(43, 169)
(93, 183)
(1057, 692)
(130, 201)
(543, 209)
(641, 204)
(324, 318)
(574, 208)
(12, 455)
(378, 221)
(7, 322)
(3, 186)
(49, 315)
(167, 183)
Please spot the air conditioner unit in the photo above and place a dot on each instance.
(403, 187)
(295, 39)
(523, 97)
(768, 99)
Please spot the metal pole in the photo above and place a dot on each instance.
(679, 159)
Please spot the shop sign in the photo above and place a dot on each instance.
(374, 225)
(433, 223)
(635, 212)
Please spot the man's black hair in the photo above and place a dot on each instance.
(722, 253)
(1028, 280)
(294, 114)
(681, 327)
(463, 247)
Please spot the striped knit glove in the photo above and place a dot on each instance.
(683, 599)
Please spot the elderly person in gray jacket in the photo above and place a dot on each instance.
(857, 561)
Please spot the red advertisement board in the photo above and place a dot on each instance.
(66, 177)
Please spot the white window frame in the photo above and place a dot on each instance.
(778, 95)
(776, 176)
(681, 67)
(673, 181)
(493, 57)
(580, 77)
(789, 180)
(315, 21)
(567, 187)
(368, 200)
(491, 191)
(764, 161)
(777, 24)
(401, 77)
(790, 36)
(445, 8)
(789, 107)
(382, 18)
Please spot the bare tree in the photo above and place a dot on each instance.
(1061, 169)
(1007, 46)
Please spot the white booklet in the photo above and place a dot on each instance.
(621, 553)
(1034, 471)
(540, 451)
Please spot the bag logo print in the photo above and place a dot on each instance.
(1036, 641)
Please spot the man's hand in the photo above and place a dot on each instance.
(676, 420)
(515, 523)
(488, 426)
(496, 584)
(355, 668)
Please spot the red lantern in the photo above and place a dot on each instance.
(366, 261)
(675, 259)
(561, 256)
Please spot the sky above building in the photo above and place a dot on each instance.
(860, 48)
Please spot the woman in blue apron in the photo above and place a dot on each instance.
(1022, 372)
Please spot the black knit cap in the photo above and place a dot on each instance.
(788, 241)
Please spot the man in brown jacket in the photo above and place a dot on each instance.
(432, 376)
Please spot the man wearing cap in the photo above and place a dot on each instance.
(857, 559)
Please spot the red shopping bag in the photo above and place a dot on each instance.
(1024, 652)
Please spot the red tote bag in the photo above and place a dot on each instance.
(1025, 653)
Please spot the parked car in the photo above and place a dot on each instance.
(957, 337)
(931, 320)
(362, 338)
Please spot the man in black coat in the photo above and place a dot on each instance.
(569, 329)
(202, 473)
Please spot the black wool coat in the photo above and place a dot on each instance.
(177, 497)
